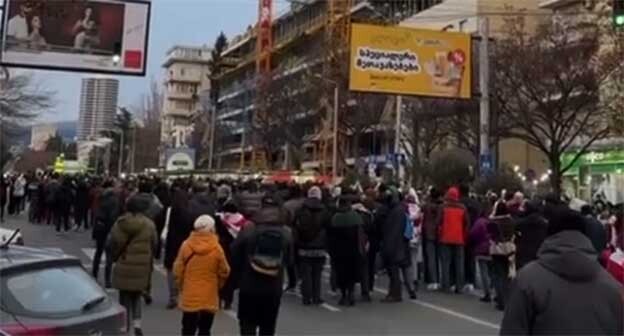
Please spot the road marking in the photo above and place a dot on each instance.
(447, 311)
(89, 252)
(231, 314)
(324, 305)
(56, 250)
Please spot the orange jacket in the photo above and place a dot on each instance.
(200, 271)
(454, 220)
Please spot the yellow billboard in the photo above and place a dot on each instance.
(410, 61)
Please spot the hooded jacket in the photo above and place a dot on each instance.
(531, 230)
(565, 292)
(133, 239)
(310, 226)
(454, 220)
(394, 245)
(107, 212)
(200, 271)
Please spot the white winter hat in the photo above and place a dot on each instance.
(204, 223)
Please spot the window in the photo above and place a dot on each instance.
(182, 71)
(51, 292)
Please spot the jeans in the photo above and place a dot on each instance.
(131, 300)
(61, 216)
(257, 313)
(484, 272)
(452, 254)
(311, 270)
(500, 279)
(197, 323)
(432, 260)
(173, 287)
(2, 206)
(100, 248)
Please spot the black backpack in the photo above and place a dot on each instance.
(267, 256)
(308, 224)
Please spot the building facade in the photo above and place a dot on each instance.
(186, 77)
(98, 107)
(298, 39)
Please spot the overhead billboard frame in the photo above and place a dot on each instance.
(408, 61)
(88, 45)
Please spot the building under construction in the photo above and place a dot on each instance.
(299, 45)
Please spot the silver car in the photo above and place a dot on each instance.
(48, 293)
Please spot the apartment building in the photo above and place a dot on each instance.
(186, 77)
(298, 37)
(98, 106)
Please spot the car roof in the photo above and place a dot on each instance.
(15, 256)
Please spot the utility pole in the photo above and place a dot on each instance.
(335, 130)
(397, 135)
(121, 154)
(485, 157)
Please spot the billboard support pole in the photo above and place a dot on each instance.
(397, 134)
(484, 85)
(335, 131)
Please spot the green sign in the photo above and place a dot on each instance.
(612, 157)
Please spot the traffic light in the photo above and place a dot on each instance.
(618, 13)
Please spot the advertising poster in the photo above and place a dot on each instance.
(108, 36)
(408, 61)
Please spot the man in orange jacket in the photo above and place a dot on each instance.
(453, 230)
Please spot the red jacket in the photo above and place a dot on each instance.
(454, 221)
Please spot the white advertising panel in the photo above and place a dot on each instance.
(102, 36)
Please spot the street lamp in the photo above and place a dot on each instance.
(335, 126)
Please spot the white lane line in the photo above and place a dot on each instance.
(231, 314)
(55, 250)
(324, 305)
(447, 311)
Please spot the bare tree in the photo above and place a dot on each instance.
(549, 86)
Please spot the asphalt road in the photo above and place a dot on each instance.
(432, 314)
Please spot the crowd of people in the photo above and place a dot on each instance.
(216, 238)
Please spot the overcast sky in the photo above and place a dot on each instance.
(186, 22)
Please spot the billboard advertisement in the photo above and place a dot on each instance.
(408, 61)
(105, 36)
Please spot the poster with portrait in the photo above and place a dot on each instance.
(108, 36)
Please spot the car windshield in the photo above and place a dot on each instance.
(53, 291)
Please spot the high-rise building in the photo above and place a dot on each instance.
(98, 105)
(186, 78)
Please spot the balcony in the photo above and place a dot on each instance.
(178, 95)
(193, 77)
(187, 54)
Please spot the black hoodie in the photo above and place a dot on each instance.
(565, 292)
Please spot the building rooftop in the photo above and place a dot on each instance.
(188, 54)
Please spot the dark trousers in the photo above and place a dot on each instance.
(257, 313)
(311, 269)
(197, 323)
(431, 261)
(452, 255)
(100, 246)
(292, 275)
(500, 279)
(364, 278)
(394, 287)
(469, 265)
(81, 217)
(61, 216)
(372, 266)
(2, 206)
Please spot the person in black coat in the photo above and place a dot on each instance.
(106, 215)
(81, 206)
(594, 230)
(4, 189)
(63, 200)
(395, 250)
(565, 291)
(179, 229)
(531, 230)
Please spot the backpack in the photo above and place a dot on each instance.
(308, 224)
(408, 230)
(267, 256)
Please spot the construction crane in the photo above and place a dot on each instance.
(337, 34)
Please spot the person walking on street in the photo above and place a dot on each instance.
(4, 190)
(479, 241)
(178, 230)
(232, 223)
(133, 240)
(565, 291)
(200, 271)
(310, 233)
(19, 191)
(81, 206)
(106, 214)
(594, 230)
(63, 200)
(453, 231)
(395, 249)
(292, 205)
(260, 254)
(431, 214)
(503, 252)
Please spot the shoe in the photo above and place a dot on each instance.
(318, 302)
(412, 295)
(469, 288)
(366, 298)
(342, 301)
(147, 298)
(138, 332)
(307, 302)
(171, 305)
(486, 299)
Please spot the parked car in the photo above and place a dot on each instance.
(49, 293)
(6, 234)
